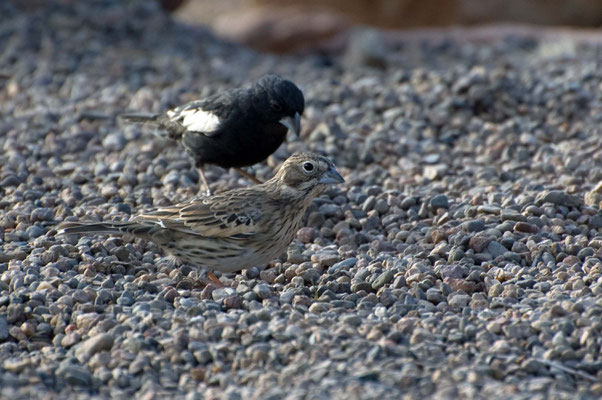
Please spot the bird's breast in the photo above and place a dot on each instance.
(239, 145)
(256, 143)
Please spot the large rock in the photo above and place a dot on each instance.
(417, 13)
(283, 29)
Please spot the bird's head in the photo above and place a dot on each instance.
(281, 101)
(305, 175)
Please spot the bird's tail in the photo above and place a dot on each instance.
(147, 118)
(140, 117)
(68, 228)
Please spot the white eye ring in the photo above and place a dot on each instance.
(308, 167)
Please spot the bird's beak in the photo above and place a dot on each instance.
(331, 176)
(292, 123)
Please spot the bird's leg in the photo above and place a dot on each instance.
(203, 180)
(248, 175)
(215, 279)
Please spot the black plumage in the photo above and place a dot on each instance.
(235, 128)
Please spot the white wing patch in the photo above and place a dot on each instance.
(197, 120)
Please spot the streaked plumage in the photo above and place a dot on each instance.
(233, 230)
(235, 128)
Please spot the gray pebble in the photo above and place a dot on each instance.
(475, 225)
(559, 198)
(342, 265)
(438, 201)
(458, 300)
(74, 375)
(114, 142)
(93, 345)
(3, 328)
(263, 291)
(495, 249)
(34, 231)
(353, 320)
(222, 293)
(383, 279)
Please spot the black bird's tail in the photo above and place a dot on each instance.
(140, 117)
(147, 118)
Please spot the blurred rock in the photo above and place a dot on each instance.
(366, 47)
(322, 25)
(171, 5)
(283, 29)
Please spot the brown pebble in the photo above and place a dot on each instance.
(28, 328)
(525, 227)
(16, 333)
(438, 236)
(44, 286)
(374, 334)
(557, 311)
(306, 235)
(301, 300)
(478, 243)
(171, 295)
(290, 273)
(198, 373)
(268, 275)
(18, 255)
(206, 294)
(597, 389)
(571, 260)
(234, 301)
(461, 284)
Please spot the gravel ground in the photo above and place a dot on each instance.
(462, 258)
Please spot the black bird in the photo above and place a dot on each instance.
(235, 128)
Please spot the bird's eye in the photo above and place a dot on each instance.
(308, 167)
(276, 107)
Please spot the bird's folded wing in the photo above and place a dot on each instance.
(204, 116)
(210, 219)
(199, 120)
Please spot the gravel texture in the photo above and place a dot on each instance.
(462, 258)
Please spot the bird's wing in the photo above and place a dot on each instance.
(205, 116)
(217, 216)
